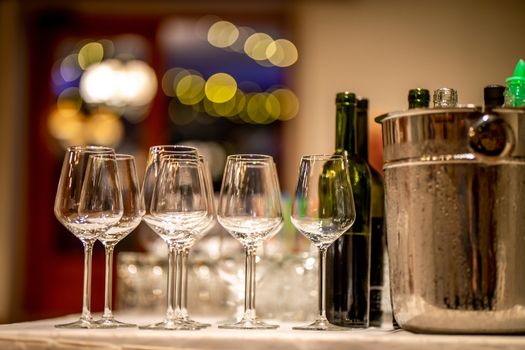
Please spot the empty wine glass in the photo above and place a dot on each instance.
(88, 202)
(323, 209)
(180, 205)
(250, 210)
(183, 253)
(148, 185)
(133, 209)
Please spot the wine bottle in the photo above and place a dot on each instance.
(348, 259)
(377, 237)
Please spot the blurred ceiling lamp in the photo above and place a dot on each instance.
(220, 87)
(119, 84)
(223, 34)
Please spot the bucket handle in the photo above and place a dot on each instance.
(491, 138)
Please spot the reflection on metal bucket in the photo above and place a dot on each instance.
(455, 225)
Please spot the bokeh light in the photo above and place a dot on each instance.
(168, 81)
(202, 26)
(90, 53)
(69, 102)
(138, 83)
(223, 34)
(116, 84)
(69, 68)
(104, 128)
(99, 83)
(244, 34)
(262, 108)
(256, 46)
(289, 103)
(68, 129)
(190, 89)
(220, 87)
(282, 53)
(180, 116)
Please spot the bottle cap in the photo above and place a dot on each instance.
(493, 95)
(345, 97)
(519, 73)
(445, 97)
(419, 95)
(362, 103)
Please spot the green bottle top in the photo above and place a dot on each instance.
(345, 97)
(515, 92)
(418, 98)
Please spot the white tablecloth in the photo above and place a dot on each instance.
(41, 335)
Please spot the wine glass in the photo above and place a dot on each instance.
(133, 209)
(322, 210)
(88, 202)
(180, 204)
(250, 210)
(148, 185)
(183, 253)
(150, 179)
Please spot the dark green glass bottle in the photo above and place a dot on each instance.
(348, 259)
(377, 238)
(418, 98)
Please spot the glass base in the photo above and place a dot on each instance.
(177, 324)
(82, 323)
(196, 323)
(321, 324)
(248, 324)
(112, 323)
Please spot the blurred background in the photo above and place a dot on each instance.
(226, 76)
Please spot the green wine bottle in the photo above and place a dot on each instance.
(376, 216)
(348, 259)
(418, 98)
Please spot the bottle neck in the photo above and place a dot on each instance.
(361, 134)
(418, 103)
(345, 138)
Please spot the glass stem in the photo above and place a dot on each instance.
(86, 295)
(322, 284)
(108, 290)
(184, 279)
(170, 290)
(178, 282)
(249, 284)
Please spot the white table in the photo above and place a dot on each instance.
(41, 335)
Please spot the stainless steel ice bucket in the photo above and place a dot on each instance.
(455, 219)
